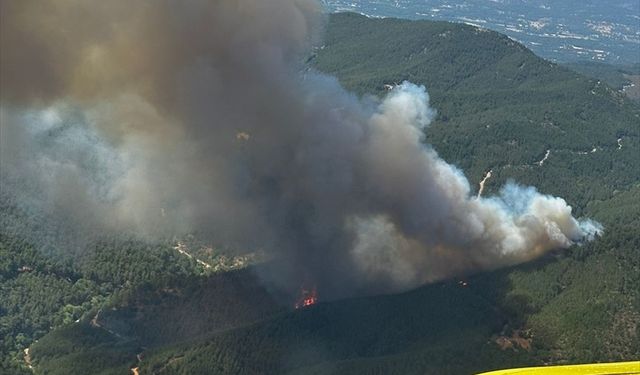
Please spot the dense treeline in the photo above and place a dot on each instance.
(40, 292)
(362, 329)
(35, 294)
(153, 314)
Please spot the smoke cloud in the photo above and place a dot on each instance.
(176, 117)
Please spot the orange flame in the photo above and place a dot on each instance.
(307, 298)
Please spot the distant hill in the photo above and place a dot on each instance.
(500, 108)
(563, 31)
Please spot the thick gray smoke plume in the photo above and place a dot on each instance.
(177, 117)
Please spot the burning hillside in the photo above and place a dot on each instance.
(112, 110)
(307, 297)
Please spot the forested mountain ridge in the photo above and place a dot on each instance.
(500, 108)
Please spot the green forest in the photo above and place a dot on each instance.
(123, 303)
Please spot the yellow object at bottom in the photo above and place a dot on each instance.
(620, 368)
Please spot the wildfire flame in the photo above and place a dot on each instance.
(307, 297)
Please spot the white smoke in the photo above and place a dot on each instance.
(436, 227)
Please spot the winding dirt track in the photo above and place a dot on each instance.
(27, 359)
(481, 187)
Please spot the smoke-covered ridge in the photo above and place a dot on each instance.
(173, 118)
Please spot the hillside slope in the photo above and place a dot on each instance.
(499, 106)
